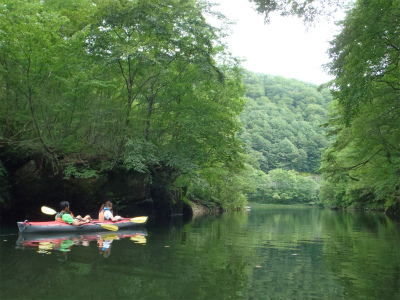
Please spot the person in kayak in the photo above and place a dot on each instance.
(66, 215)
(106, 212)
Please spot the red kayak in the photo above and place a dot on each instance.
(94, 225)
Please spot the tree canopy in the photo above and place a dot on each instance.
(132, 84)
(282, 119)
(362, 166)
(309, 10)
(282, 134)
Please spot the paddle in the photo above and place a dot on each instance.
(139, 239)
(105, 226)
(49, 211)
(138, 220)
(110, 236)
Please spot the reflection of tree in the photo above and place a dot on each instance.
(356, 252)
(293, 274)
(290, 261)
(279, 253)
(222, 261)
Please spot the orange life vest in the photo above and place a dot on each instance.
(100, 243)
(101, 215)
(59, 216)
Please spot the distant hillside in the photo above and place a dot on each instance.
(282, 121)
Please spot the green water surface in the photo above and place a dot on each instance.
(270, 253)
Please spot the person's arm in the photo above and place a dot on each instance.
(67, 218)
(109, 216)
(116, 218)
(77, 222)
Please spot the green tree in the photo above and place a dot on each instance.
(33, 73)
(365, 158)
(121, 84)
(282, 126)
(284, 187)
(49, 100)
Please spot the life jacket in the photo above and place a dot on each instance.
(60, 214)
(101, 214)
(100, 243)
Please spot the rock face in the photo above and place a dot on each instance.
(167, 200)
(36, 183)
(31, 182)
(394, 211)
(193, 210)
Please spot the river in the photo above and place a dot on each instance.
(266, 253)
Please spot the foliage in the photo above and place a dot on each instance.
(139, 155)
(331, 195)
(72, 171)
(134, 83)
(363, 163)
(286, 187)
(220, 186)
(366, 57)
(43, 96)
(283, 138)
(282, 119)
(309, 10)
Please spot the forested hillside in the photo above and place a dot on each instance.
(282, 132)
(282, 122)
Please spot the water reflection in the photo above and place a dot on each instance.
(275, 253)
(64, 242)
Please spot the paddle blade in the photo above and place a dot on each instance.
(139, 239)
(110, 236)
(139, 220)
(48, 211)
(109, 227)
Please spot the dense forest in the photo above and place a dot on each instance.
(282, 133)
(90, 88)
(362, 166)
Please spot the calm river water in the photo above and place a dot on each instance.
(270, 253)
